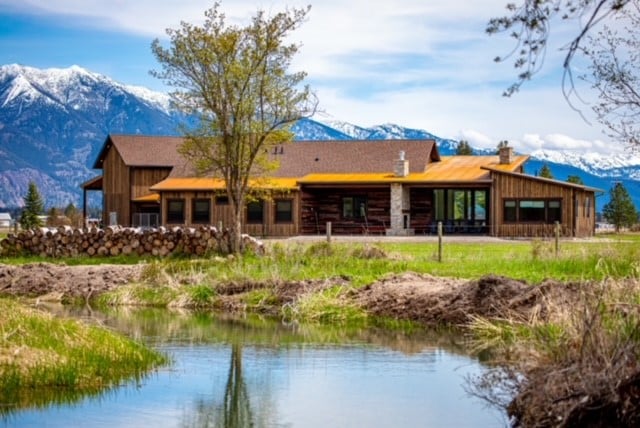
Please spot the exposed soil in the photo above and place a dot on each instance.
(46, 279)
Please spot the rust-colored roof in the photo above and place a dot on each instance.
(152, 197)
(143, 150)
(450, 169)
(209, 183)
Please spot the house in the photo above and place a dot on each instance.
(5, 220)
(392, 187)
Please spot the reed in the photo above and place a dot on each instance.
(39, 352)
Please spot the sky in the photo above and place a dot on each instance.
(425, 64)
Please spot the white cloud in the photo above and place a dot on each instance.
(419, 63)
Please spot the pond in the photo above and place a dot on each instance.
(251, 371)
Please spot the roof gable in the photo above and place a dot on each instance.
(142, 150)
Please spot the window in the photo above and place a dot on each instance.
(354, 207)
(175, 211)
(222, 200)
(201, 211)
(255, 212)
(480, 208)
(554, 212)
(531, 211)
(284, 211)
(510, 212)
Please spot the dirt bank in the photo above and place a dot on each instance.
(422, 298)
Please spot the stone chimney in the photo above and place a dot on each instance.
(506, 155)
(402, 166)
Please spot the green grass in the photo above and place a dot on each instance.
(44, 359)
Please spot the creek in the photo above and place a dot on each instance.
(253, 371)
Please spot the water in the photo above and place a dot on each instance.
(230, 372)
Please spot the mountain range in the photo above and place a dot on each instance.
(53, 123)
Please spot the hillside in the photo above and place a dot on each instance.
(53, 123)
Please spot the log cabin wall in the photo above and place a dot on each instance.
(508, 186)
(116, 189)
(320, 205)
(421, 209)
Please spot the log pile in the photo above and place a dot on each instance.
(65, 241)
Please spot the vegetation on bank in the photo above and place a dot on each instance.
(45, 359)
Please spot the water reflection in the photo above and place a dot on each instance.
(258, 372)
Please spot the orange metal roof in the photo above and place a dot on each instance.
(153, 197)
(449, 169)
(210, 183)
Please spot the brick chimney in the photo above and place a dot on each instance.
(506, 155)
(401, 166)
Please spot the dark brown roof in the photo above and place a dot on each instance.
(141, 150)
(296, 159)
(308, 157)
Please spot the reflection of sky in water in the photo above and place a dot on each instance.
(300, 385)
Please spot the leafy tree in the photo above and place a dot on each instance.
(545, 172)
(236, 80)
(612, 52)
(55, 217)
(463, 148)
(33, 207)
(620, 210)
(575, 179)
(501, 144)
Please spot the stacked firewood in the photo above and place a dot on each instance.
(65, 241)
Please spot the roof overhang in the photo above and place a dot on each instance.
(176, 184)
(94, 183)
(544, 180)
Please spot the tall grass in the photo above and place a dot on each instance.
(44, 358)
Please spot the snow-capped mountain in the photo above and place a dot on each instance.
(53, 123)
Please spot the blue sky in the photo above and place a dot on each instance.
(425, 64)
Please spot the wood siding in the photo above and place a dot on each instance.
(143, 178)
(421, 209)
(221, 214)
(573, 223)
(116, 189)
(321, 205)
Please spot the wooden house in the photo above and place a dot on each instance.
(392, 187)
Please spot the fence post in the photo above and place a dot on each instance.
(557, 231)
(439, 241)
(329, 232)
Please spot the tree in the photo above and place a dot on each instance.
(55, 217)
(33, 207)
(545, 172)
(74, 216)
(620, 210)
(575, 179)
(463, 148)
(501, 144)
(612, 53)
(236, 81)
(615, 75)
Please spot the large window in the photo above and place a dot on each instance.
(284, 210)
(532, 210)
(255, 212)
(175, 211)
(201, 211)
(354, 207)
(460, 205)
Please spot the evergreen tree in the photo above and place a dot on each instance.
(33, 207)
(575, 179)
(620, 210)
(545, 172)
(463, 148)
(73, 215)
